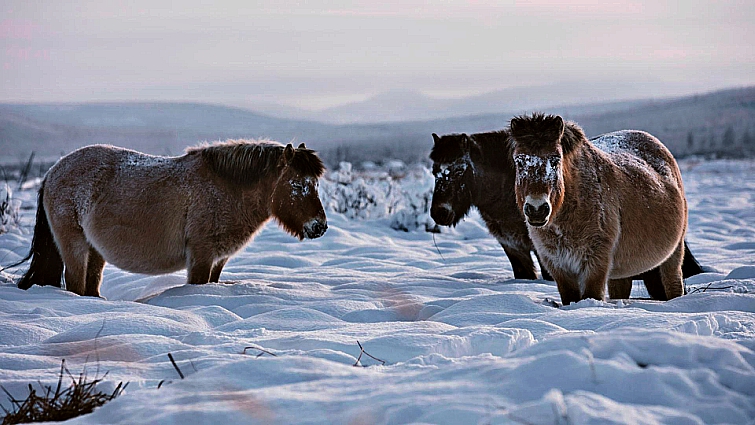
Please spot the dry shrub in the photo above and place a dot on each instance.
(61, 404)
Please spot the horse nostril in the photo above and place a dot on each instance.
(544, 209)
(529, 209)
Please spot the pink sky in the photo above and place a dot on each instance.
(313, 54)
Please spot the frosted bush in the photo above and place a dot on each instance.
(403, 197)
(9, 208)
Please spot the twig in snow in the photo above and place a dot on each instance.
(438, 249)
(24, 174)
(262, 351)
(170, 356)
(704, 289)
(382, 362)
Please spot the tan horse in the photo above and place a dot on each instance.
(599, 210)
(153, 215)
(478, 170)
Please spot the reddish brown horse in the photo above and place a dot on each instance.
(478, 170)
(153, 215)
(599, 211)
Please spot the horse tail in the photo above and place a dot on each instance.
(46, 265)
(690, 266)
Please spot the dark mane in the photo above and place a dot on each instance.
(540, 131)
(249, 161)
(448, 148)
(495, 148)
(307, 163)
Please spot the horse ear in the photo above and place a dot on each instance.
(301, 146)
(513, 124)
(466, 143)
(288, 153)
(558, 122)
(435, 138)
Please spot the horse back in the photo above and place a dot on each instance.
(639, 155)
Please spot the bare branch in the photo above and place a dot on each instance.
(262, 351)
(170, 356)
(382, 362)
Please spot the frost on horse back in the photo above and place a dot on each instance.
(153, 215)
(601, 211)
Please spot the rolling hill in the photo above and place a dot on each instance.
(722, 121)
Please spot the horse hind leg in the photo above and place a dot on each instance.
(654, 284)
(74, 249)
(95, 266)
(620, 289)
(671, 273)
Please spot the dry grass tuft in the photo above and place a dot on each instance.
(80, 398)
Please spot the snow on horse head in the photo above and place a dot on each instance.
(153, 215)
(599, 211)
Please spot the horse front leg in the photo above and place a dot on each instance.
(216, 269)
(543, 270)
(568, 287)
(595, 282)
(198, 269)
(521, 263)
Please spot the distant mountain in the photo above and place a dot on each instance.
(721, 122)
(400, 105)
(160, 128)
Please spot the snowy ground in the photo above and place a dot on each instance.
(463, 342)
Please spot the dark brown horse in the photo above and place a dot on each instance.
(478, 170)
(153, 215)
(599, 212)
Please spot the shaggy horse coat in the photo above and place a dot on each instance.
(602, 210)
(478, 170)
(153, 215)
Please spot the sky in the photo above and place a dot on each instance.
(316, 54)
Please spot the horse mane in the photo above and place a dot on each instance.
(495, 147)
(539, 131)
(249, 161)
(448, 148)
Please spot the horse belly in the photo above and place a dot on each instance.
(138, 243)
(643, 246)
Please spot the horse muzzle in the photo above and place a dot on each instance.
(314, 228)
(442, 214)
(537, 213)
